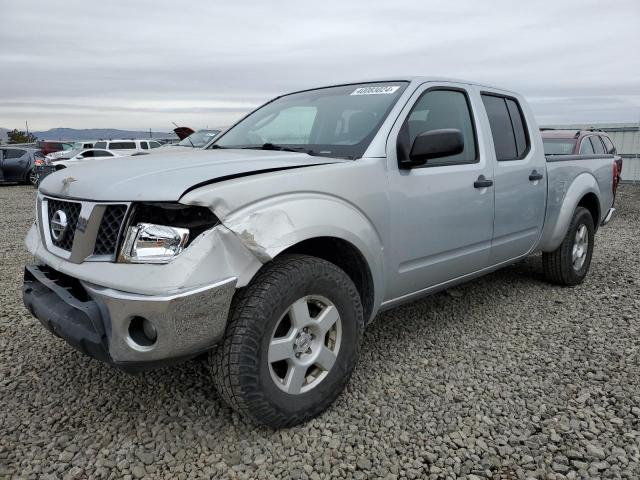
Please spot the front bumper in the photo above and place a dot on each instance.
(98, 320)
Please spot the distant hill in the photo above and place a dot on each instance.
(96, 134)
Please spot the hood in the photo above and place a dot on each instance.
(183, 132)
(166, 177)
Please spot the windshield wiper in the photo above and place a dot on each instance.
(280, 148)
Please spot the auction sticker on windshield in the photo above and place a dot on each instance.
(383, 90)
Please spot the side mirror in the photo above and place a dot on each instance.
(79, 157)
(435, 144)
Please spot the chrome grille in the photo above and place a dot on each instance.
(92, 228)
(72, 211)
(107, 239)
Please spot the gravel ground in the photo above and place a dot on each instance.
(504, 377)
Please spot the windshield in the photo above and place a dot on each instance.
(559, 146)
(335, 122)
(198, 139)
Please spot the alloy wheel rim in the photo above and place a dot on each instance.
(33, 177)
(304, 344)
(580, 247)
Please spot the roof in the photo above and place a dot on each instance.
(406, 78)
(568, 132)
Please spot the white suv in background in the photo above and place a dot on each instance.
(129, 146)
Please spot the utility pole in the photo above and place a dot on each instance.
(637, 174)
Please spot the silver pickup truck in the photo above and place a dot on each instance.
(271, 249)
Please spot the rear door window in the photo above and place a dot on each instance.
(122, 145)
(102, 153)
(597, 144)
(609, 145)
(100, 145)
(519, 130)
(508, 127)
(13, 153)
(585, 147)
(144, 145)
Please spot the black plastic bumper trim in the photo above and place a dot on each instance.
(63, 307)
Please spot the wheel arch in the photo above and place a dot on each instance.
(347, 257)
(590, 201)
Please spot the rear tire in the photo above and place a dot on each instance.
(32, 177)
(569, 263)
(292, 341)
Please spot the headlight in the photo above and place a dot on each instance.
(150, 243)
(158, 232)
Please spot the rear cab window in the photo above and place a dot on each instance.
(559, 146)
(508, 127)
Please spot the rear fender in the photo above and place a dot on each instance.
(561, 205)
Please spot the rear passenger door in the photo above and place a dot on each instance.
(441, 218)
(519, 184)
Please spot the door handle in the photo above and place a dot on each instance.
(482, 182)
(535, 176)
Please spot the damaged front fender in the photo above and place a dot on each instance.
(268, 227)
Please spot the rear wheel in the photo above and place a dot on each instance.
(569, 263)
(292, 341)
(32, 177)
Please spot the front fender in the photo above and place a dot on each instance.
(562, 203)
(270, 226)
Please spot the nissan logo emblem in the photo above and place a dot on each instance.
(59, 225)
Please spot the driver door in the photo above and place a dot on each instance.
(441, 219)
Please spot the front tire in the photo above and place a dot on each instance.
(569, 263)
(292, 341)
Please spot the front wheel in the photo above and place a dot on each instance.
(569, 263)
(292, 341)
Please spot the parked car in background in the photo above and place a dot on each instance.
(131, 146)
(17, 164)
(282, 240)
(49, 146)
(87, 154)
(74, 146)
(196, 140)
(579, 142)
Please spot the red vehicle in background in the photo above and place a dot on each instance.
(48, 146)
(580, 142)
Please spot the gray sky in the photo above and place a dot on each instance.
(143, 64)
